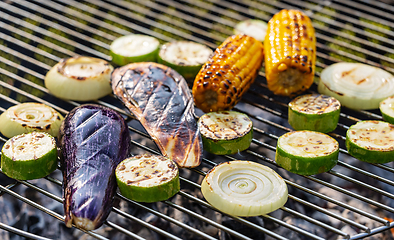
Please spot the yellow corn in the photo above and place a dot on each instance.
(228, 74)
(290, 53)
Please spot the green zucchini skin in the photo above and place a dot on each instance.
(386, 109)
(159, 192)
(188, 72)
(368, 154)
(321, 121)
(223, 147)
(29, 169)
(306, 165)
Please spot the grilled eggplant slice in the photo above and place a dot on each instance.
(93, 140)
(160, 99)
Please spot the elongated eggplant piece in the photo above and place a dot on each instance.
(93, 141)
(160, 99)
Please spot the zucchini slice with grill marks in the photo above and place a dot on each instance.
(307, 152)
(134, 48)
(371, 141)
(225, 132)
(314, 112)
(148, 178)
(29, 156)
(185, 57)
(387, 109)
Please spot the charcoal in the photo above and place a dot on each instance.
(236, 226)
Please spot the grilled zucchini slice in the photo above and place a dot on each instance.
(387, 109)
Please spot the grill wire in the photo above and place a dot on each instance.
(35, 35)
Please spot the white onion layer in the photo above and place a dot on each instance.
(356, 85)
(244, 188)
(29, 117)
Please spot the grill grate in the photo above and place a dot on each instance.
(34, 35)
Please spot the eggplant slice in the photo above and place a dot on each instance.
(93, 141)
(160, 99)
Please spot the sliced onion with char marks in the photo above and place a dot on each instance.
(244, 188)
(29, 117)
(356, 85)
(80, 78)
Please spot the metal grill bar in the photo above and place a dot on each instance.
(219, 17)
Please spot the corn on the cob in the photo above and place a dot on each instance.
(228, 73)
(290, 53)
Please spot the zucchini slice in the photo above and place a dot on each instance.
(314, 112)
(29, 117)
(387, 109)
(148, 178)
(306, 152)
(371, 141)
(185, 57)
(244, 188)
(252, 27)
(80, 78)
(134, 48)
(225, 132)
(29, 156)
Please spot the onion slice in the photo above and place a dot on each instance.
(30, 117)
(356, 85)
(80, 78)
(244, 188)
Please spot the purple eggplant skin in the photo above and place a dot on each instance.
(93, 140)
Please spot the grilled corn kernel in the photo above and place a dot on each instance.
(228, 74)
(290, 53)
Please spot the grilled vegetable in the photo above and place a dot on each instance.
(160, 99)
(29, 117)
(356, 85)
(93, 141)
(306, 152)
(314, 112)
(228, 74)
(185, 57)
(225, 132)
(244, 188)
(79, 78)
(252, 27)
(148, 178)
(371, 141)
(387, 109)
(290, 53)
(29, 156)
(134, 48)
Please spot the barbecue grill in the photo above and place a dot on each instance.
(352, 201)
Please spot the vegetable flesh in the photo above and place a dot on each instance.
(160, 99)
(29, 117)
(356, 85)
(225, 132)
(306, 152)
(252, 27)
(244, 188)
(29, 156)
(148, 178)
(93, 140)
(290, 53)
(387, 109)
(228, 74)
(314, 112)
(371, 141)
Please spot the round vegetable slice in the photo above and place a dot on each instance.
(29, 156)
(225, 132)
(148, 178)
(80, 78)
(134, 48)
(29, 117)
(306, 152)
(244, 188)
(356, 85)
(387, 109)
(185, 57)
(314, 112)
(252, 27)
(371, 141)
